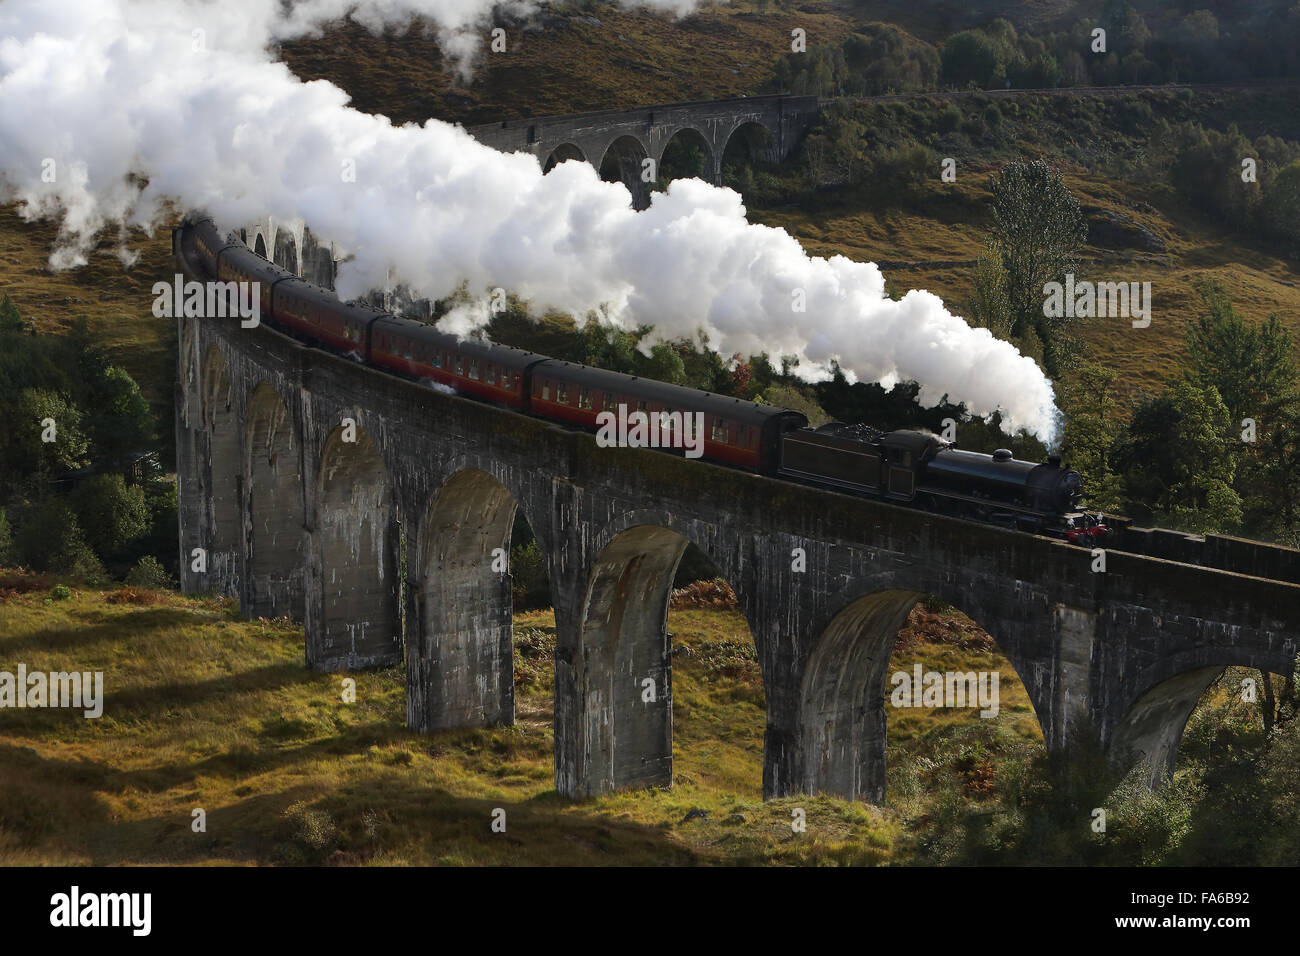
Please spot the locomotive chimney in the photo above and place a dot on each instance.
(1054, 461)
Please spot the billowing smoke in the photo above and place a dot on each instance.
(98, 96)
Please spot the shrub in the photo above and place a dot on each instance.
(132, 595)
(949, 119)
(60, 592)
(112, 513)
(149, 573)
(49, 538)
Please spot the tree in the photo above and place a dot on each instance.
(1091, 430)
(1284, 203)
(1125, 26)
(788, 396)
(530, 585)
(1179, 460)
(36, 415)
(119, 421)
(989, 306)
(111, 513)
(1252, 368)
(6, 541)
(10, 318)
(970, 57)
(49, 539)
(1281, 472)
(663, 364)
(1038, 228)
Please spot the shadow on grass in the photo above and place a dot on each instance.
(93, 628)
(154, 701)
(61, 817)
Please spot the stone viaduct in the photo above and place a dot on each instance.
(370, 507)
(768, 127)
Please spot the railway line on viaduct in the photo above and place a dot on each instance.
(369, 507)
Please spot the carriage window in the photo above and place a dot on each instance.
(609, 402)
(562, 393)
(584, 398)
(665, 420)
(473, 370)
(490, 374)
(546, 390)
(720, 429)
(460, 365)
(642, 405)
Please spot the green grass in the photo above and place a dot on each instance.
(206, 710)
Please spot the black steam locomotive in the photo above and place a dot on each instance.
(923, 469)
(907, 467)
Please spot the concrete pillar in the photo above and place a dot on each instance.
(629, 172)
(354, 574)
(221, 478)
(614, 671)
(460, 662)
(273, 510)
(843, 698)
(1153, 728)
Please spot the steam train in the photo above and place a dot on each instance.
(907, 467)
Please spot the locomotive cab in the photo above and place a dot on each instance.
(906, 453)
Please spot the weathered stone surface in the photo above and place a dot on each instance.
(398, 530)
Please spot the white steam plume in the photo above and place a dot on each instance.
(110, 90)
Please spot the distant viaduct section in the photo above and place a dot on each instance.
(766, 127)
(371, 507)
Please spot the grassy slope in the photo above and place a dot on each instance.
(1258, 280)
(205, 710)
(571, 64)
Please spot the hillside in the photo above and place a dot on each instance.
(566, 61)
(928, 241)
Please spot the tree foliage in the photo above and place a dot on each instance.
(1179, 460)
(1038, 229)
